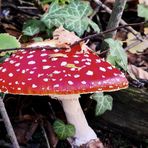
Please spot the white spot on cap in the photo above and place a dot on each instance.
(53, 79)
(23, 83)
(75, 56)
(18, 88)
(44, 60)
(56, 50)
(46, 67)
(31, 52)
(76, 62)
(43, 54)
(99, 89)
(115, 74)
(56, 85)
(23, 71)
(98, 61)
(29, 79)
(90, 73)
(34, 86)
(45, 79)
(109, 67)
(103, 76)
(16, 82)
(12, 61)
(76, 76)
(21, 57)
(89, 60)
(86, 55)
(110, 86)
(31, 72)
(56, 72)
(10, 74)
(102, 69)
(83, 82)
(31, 62)
(87, 63)
(4, 70)
(17, 64)
(10, 83)
(70, 82)
(63, 63)
(43, 49)
(30, 56)
(39, 75)
(54, 59)
(72, 69)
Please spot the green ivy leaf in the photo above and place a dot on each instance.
(32, 27)
(54, 16)
(62, 130)
(94, 25)
(73, 17)
(143, 11)
(104, 102)
(117, 56)
(8, 41)
(76, 15)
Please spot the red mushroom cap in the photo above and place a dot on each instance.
(38, 72)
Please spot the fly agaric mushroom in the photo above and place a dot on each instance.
(64, 75)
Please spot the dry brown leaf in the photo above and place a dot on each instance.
(137, 72)
(64, 36)
(141, 46)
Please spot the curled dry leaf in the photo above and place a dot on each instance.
(137, 72)
(64, 36)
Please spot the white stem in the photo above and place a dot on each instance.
(73, 111)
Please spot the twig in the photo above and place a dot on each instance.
(38, 5)
(122, 22)
(45, 135)
(32, 48)
(8, 125)
(101, 34)
(134, 44)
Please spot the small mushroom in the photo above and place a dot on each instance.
(36, 72)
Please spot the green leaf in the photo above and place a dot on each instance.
(73, 17)
(32, 27)
(54, 16)
(62, 130)
(8, 41)
(104, 102)
(117, 56)
(76, 16)
(94, 25)
(143, 11)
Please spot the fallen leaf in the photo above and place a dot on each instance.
(141, 46)
(65, 36)
(139, 73)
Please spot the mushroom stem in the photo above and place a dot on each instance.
(8, 125)
(74, 113)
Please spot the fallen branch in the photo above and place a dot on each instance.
(122, 22)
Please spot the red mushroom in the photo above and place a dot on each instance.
(62, 74)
